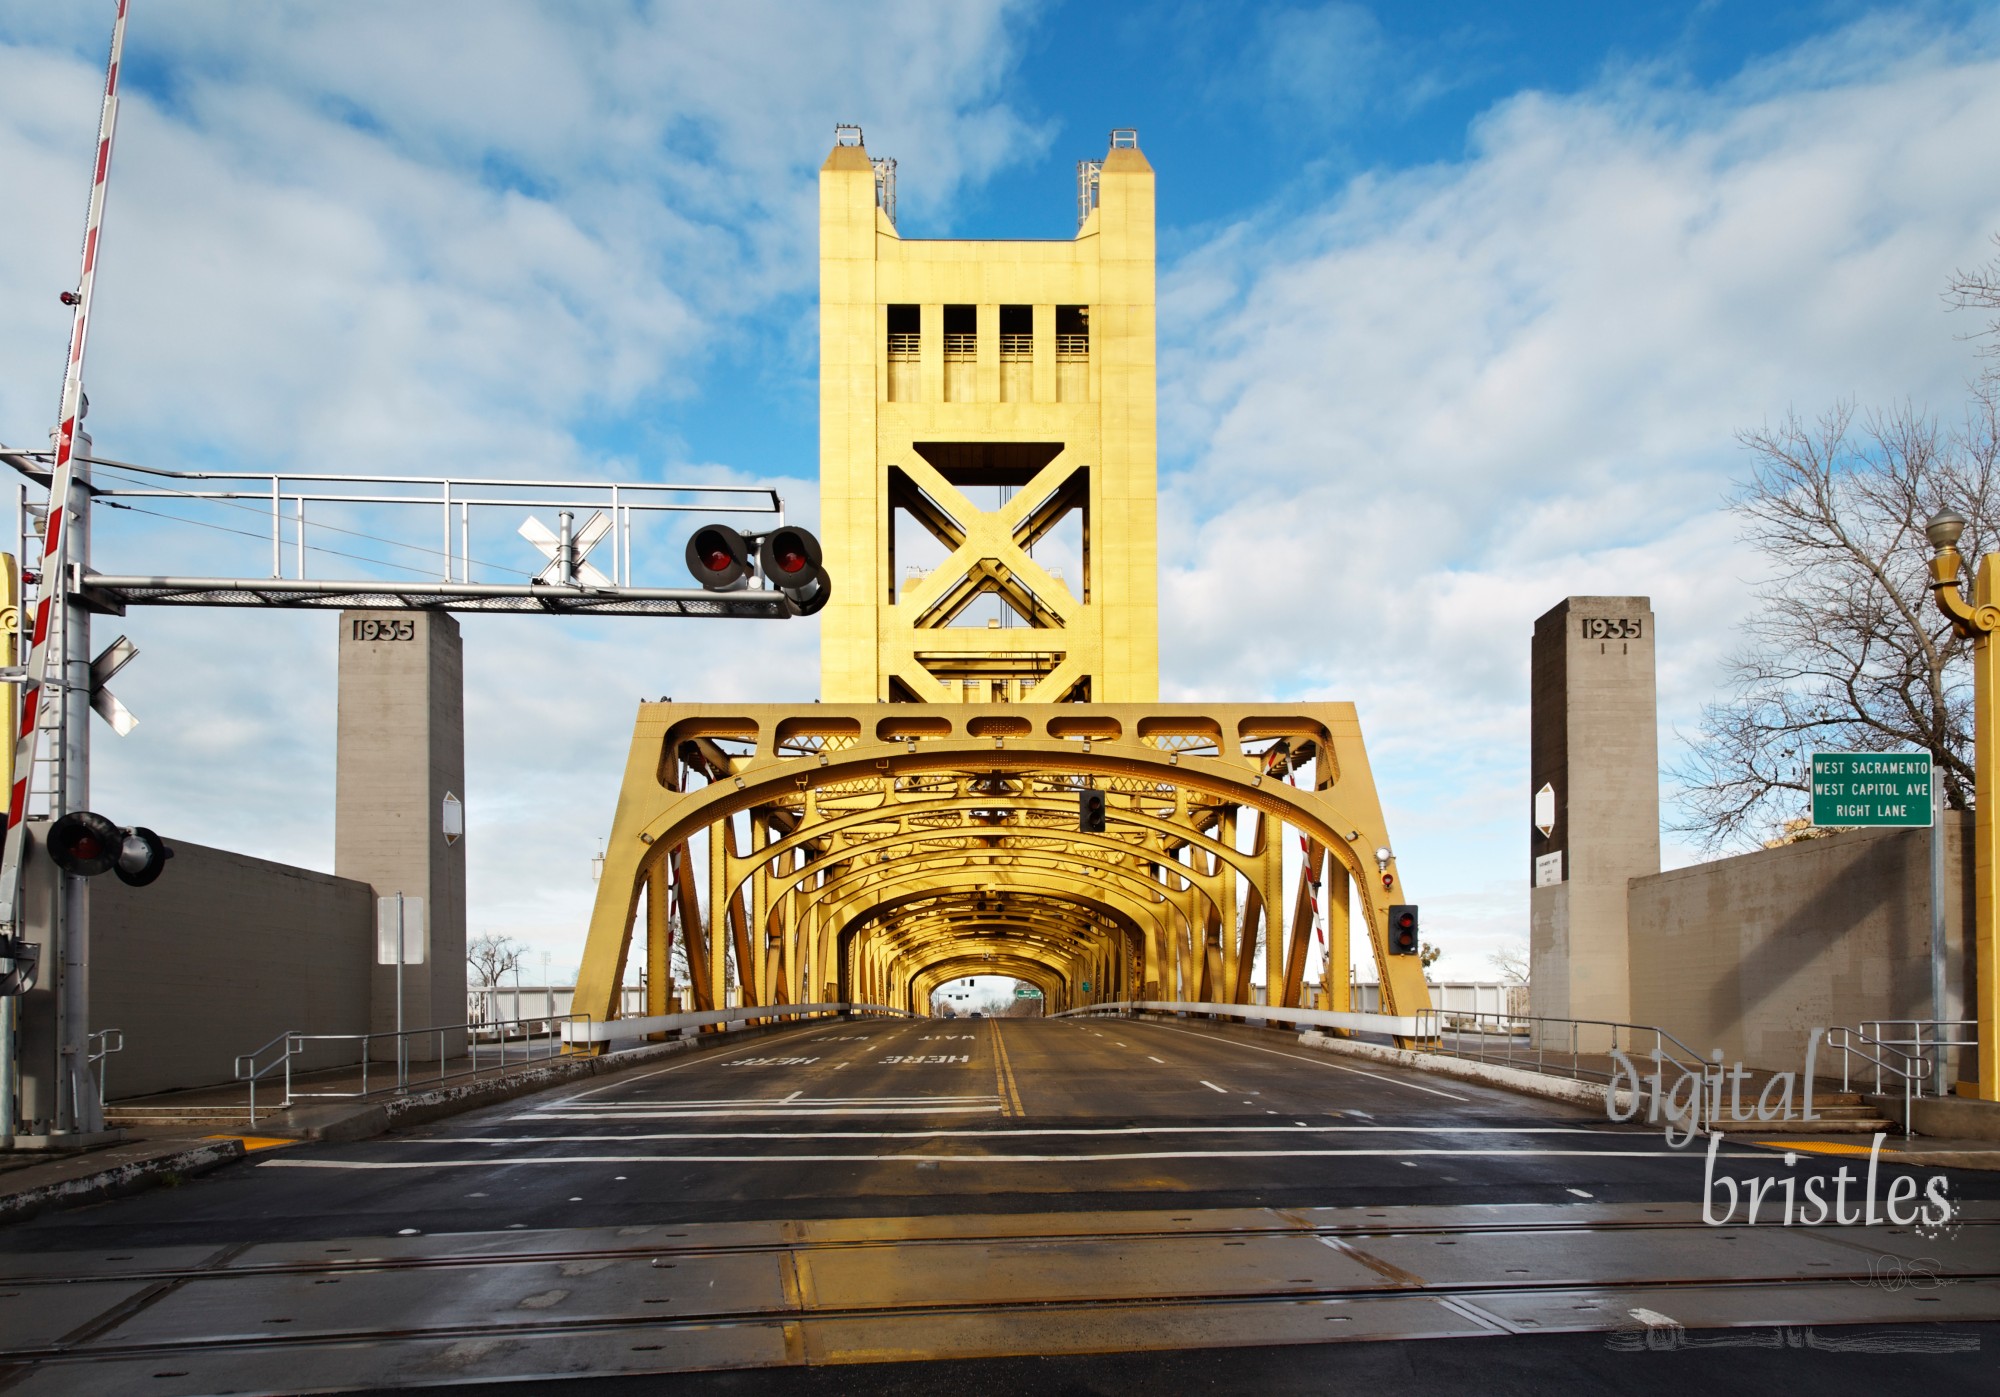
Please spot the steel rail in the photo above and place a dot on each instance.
(694, 1249)
(514, 1326)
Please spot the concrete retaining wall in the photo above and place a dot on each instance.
(1747, 954)
(219, 956)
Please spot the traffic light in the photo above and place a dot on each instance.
(1090, 811)
(1402, 931)
(86, 844)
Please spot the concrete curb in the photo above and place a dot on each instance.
(91, 1178)
(1587, 1094)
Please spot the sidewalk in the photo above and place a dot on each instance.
(1854, 1119)
(180, 1134)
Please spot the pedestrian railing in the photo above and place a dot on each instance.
(1551, 1046)
(1395, 1025)
(1913, 1068)
(282, 1057)
(615, 1030)
(1929, 1039)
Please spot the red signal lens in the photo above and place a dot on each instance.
(87, 847)
(789, 559)
(714, 554)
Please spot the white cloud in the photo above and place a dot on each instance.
(426, 239)
(1454, 395)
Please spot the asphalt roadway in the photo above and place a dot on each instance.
(1100, 1205)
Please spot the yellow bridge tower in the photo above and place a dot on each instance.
(989, 657)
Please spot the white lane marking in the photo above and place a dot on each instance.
(1079, 1131)
(1140, 1155)
(741, 1111)
(1579, 1193)
(689, 1061)
(1338, 1067)
(1212, 1086)
(613, 1107)
(1162, 1061)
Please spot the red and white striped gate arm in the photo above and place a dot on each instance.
(54, 579)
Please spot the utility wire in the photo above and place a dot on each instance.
(265, 538)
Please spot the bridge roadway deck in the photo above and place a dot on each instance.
(914, 1191)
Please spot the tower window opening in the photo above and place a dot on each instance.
(905, 339)
(1072, 354)
(1017, 354)
(961, 350)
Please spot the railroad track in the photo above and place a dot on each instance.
(335, 1314)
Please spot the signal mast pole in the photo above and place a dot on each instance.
(76, 1107)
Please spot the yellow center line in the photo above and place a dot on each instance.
(1003, 1069)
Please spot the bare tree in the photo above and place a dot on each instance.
(1979, 289)
(1847, 651)
(490, 955)
(1511, 962)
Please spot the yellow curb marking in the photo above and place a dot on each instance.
(1813, 1147)
(254, 1142)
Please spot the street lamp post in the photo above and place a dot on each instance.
(1977, 621)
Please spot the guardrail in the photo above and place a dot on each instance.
(1452, 1030)
(1396, 1025)
(1915, 1068)
(614, 1030)
(290, 1046)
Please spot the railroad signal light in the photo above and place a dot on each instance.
(718, 556)
(86, 844)
(791, 562)
(1090, 811)
(722, 560)
(1403, 931)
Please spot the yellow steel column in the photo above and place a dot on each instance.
(1978, 621)
(1986, 821)
(1335, 977)
(659, 945)
(718, 913)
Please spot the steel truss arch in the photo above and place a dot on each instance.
(943, 792)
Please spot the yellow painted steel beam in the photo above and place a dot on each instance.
(854, 779)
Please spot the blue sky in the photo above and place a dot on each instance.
(1463, 308)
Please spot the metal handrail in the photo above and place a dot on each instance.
(1395, 1025)
(1943, 1035)
(1913, 1068)
(247, 1069)
(559, 1027)
(97, 1047)
(1452, 1024)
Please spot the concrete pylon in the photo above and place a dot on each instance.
(1595, 781)
(401, 753)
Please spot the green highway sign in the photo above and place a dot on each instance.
(1026, 992)
(1871, 788)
